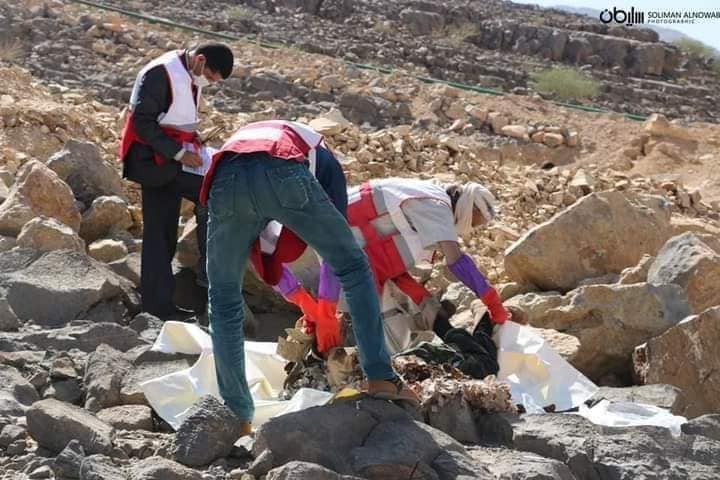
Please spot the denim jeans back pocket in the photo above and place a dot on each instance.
(221, 200)
(291, 185)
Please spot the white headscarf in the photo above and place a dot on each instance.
(473, 195)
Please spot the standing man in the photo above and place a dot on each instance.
(261, 174)
(158, 139)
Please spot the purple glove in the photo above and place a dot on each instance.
(466, 271)
(287, 284)
(329, 286)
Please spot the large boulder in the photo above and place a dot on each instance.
(601, 453)
(46, 234)
(107, 250)
(609, 321)
(58, 286)
(80, 165)
(38, 191)
(600, 234)
(106, 215)
(660, 395)
(366, 438)
(53, 424)
(687, 261)
(305, 471)
(686, 356)
(128, 417)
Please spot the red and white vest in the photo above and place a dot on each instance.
(278, 138)
(391, 256)
(281, 139)
(180, 122)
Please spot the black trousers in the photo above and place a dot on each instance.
(161, 213)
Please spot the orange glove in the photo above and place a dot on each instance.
(306, 303)
(327, 328)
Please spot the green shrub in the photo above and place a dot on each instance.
(695, 48)
(565, 84)
(455, 34)
(240, 12)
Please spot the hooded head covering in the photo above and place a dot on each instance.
(473, 195)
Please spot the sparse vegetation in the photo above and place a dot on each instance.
(565, 84)
(455, 34)
(695, 48)
(10, 49)
(383, 26)
(240, 12)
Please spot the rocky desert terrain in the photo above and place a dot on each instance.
(608, 237)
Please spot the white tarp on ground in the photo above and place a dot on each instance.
(174, 394)
(537, 375)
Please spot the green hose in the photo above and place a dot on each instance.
(257, 41)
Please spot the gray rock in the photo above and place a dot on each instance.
(130, 390)
(106, 216)
(304, 436)
(456, 419)
(69, 391)
(602, 453)
(705, 425)
(41, 473)
(8, 320)
(53, 424)
(60, 286)
(10, 434)
(100, 467)
(663, 396)
(690, 263)
(422, 23)
(158, 468)
(128, 267)
(12, 381)
(128, 417)
(67, 463)
(208, 433)
(513, 465)
(104, 373)
(80, 165)
(85, 337)
(400, 446)
(305, 471)
(568, 248)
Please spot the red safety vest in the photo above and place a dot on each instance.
(280, 139)
(385, 259)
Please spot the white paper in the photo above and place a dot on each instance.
(173, 395)
(205, 153)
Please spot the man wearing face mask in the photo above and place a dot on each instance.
(158, 139)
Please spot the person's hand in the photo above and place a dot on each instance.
(518, 315)
(327, 328)
(191, 159)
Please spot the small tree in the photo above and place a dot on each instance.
(695, 48)
(565, 84)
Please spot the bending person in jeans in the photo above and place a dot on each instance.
(261, 174)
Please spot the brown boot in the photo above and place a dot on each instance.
(394, 390)
(245, 429)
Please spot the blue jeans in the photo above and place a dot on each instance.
(248, 192)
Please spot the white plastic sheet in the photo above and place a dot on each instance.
(174, 394)
(626, 414)
(537, 375)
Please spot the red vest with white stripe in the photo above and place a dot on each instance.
(180, 122)
(282, 139)
(278, 138)
(391, 256)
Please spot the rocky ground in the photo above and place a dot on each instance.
(608, 239)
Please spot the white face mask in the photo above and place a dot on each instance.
(200, 81)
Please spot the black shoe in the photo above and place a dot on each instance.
(177, 314)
